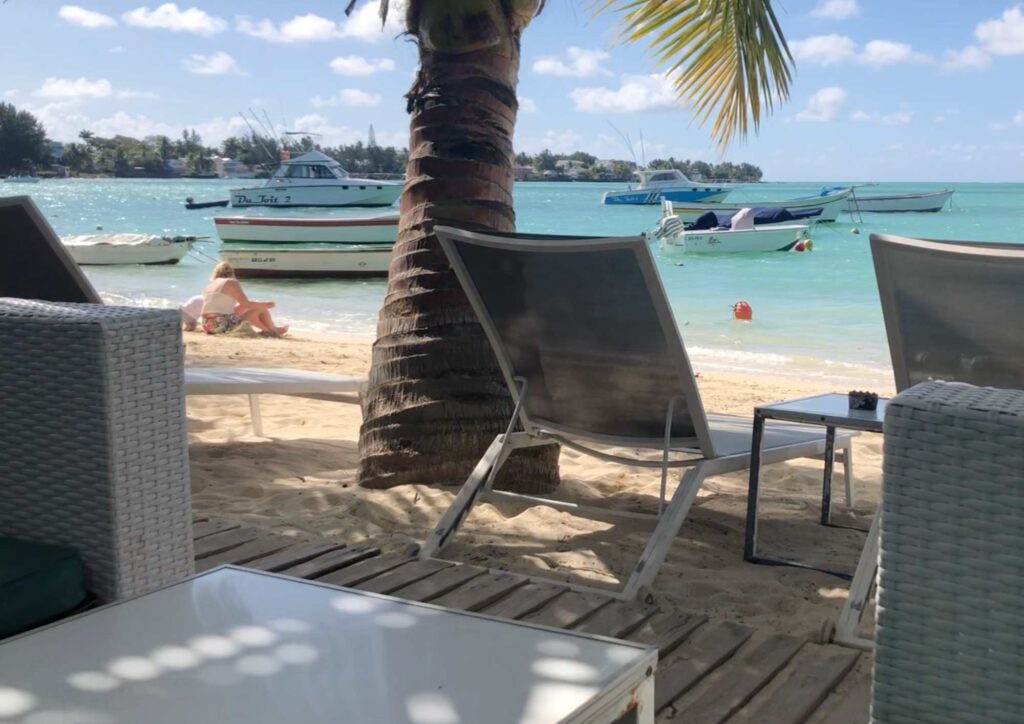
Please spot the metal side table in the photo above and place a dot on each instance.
(831, 410)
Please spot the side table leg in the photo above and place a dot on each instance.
(753, 489)
(826, 486)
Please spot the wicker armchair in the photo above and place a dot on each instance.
(950, 638)
(93, 452)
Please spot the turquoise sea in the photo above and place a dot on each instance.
(815, 314)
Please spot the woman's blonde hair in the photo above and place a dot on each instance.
(223, 270)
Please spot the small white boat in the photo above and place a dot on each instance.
(742, 236)
(21, 178)
(107, 249)
(294, 263)
(896, 203)
(664, 185)
(381, 229)
(316, 179)
(830, 201)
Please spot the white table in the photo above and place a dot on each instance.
(233, 645)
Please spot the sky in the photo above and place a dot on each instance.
(883, 90)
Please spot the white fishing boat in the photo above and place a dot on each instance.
(108, 249)
(926, 201)
(21, 178)
(664, 185)
(741, 236)
(316, 179)
(830, 201)
(382, 229)
(353, 261)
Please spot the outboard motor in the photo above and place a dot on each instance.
(668, 226)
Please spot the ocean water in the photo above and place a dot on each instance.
(815, 314)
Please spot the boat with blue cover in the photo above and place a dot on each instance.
(664, 185)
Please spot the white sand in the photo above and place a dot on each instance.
(301, 481)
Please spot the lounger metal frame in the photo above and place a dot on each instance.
(701, 460)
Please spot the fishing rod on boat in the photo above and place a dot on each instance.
(259, 139)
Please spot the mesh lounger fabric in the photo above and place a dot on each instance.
(94, 451)
(38, 582)
(950, 638)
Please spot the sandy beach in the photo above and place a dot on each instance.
(300, 480)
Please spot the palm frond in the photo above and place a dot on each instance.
(727, 58)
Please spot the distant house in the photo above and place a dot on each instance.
(571, 168)
(230, 168)
(523, 173)
(174, 166)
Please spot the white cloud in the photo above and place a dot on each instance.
(947, 114)
(636, 93)
(527, 105)
(582, 63)
(897, 118)
(555, 141)
(831, 49)
(220, 63)
(85, 18)
(82, 88)
(1018, 118)
(169, 17)
(8, 94)
(363, 24)
(823, 105)
(835, 9)
(1005, 35)
(351, 97)
(969, 58)
(358, 66)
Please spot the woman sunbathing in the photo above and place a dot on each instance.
(225, 306)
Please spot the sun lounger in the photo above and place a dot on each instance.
(952, 310)
(37, 266)
(591, 354)
(253, 382)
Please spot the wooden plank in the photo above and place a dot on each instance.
(482, 591)
(217, 542)
(524, 600)
(695, 658)
(403, 575)
(246, 552)
(741, 678)
(617, 619)
(667, 631)
(293, 555)
(440, 583)
(810, 679)
(569, 609)
(329, 562)
(850, 707)
(203, 528)
(364, 570)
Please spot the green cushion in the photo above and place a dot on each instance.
(38, 583)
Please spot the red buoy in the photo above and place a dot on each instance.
(799, 246)
(742, 310)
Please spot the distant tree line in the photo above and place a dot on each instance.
(584, 166)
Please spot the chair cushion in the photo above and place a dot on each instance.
(38, 583)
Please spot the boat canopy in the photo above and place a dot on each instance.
(761, 215)
(312, 165)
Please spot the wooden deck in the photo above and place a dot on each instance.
(708, 671)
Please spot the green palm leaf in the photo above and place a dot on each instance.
(727, 58)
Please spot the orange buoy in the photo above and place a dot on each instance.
(742, 310)
(808, 245)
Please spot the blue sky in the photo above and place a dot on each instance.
(908, 90)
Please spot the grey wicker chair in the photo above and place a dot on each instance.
(950, 635)
(94, 451)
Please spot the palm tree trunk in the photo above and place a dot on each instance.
(436, 397)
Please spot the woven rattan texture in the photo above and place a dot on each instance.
(950, 637)
(93, 450)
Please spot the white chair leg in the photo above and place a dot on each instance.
(257, 418)
(848, 475)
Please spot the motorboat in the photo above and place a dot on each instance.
(664, 184)
(925, 201)
(192, 204)
(761, 215)
(351, 261)
(109, 249)
(381, 229)
(316, 179)
(742, 235)
(21, 178)
(830, 201)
